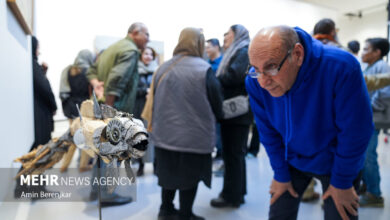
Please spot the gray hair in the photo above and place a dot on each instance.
(136, 27)
(288, 36)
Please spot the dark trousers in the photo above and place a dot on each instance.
(234, 143)
(286, 207)
(186, 199)
(254, 146)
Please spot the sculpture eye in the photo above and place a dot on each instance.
(114, 131)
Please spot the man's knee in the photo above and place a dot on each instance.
(285, 207)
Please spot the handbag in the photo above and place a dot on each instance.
(235, 106)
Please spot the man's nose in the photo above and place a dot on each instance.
(264, 80)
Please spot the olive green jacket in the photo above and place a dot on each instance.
(117, 67)
(375, 82)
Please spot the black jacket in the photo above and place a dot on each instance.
(78, 93)
(44, 106)
(233, 83)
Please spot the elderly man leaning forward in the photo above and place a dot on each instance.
(314, 118)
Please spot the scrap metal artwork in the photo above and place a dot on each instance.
(100, 130)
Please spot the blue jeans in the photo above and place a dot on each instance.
(371, 176)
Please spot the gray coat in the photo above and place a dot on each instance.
(183, 119)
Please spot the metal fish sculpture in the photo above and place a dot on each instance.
(100, 130)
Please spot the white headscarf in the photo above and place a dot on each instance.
(241, 39)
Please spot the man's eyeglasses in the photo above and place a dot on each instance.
(273, 71)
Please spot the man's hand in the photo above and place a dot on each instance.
(45, 67)
(278, 188)
(110, 100)
(343, 199)
(98, 87)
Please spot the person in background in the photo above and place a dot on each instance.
(325, 31)
(74, 83)
(254, 144)
(45, 106)
(44, 109)
(187, 103)
(114, 78)
(354, 47)
(213, 50)
(289, 72)
(234, 131)
(74, 89)
(373, 52)
(147, 64)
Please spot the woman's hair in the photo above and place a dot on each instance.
(381, 44)
(154, 54)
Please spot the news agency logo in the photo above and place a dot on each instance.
(54, 180)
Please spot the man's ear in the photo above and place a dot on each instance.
(300, 53)
(377, 53)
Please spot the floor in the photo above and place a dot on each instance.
(146, 207)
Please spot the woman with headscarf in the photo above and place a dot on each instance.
(44, 109)
(74, 83)
(44, 102)
(74, 89)
(234, 131)
(187, 102)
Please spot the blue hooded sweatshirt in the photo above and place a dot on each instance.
(322, 125)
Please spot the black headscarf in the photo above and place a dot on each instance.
(34, 42)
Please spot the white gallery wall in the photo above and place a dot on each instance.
(16, 89)
(372, 24)
(65, 27)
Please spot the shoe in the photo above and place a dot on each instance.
(168, 215)
(310, 197)
(191, 217)
(140, 172)
(116, 201)
(222, 203)
(370, 200)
